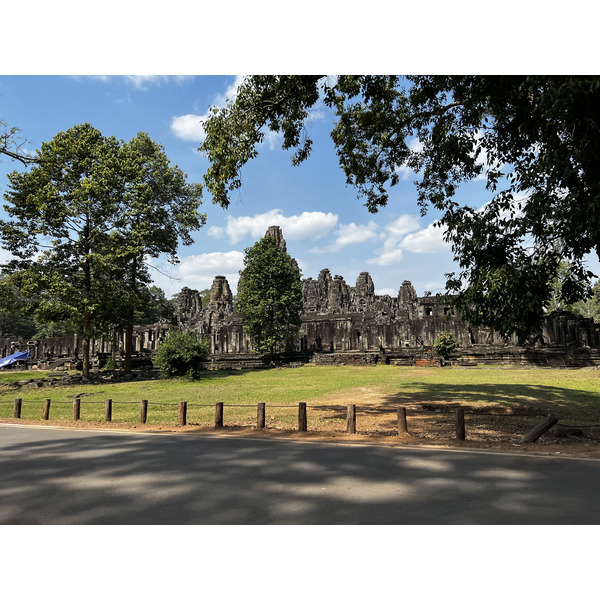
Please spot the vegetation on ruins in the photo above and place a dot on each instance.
(84, 220)
(270, 297)
(534, 139)
(181, 354)
(445, 344)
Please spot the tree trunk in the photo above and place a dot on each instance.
(86, 345)
(87, 317)
(129, 332)
(128, 344)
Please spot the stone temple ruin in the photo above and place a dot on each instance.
(343, 325)
(340, 325)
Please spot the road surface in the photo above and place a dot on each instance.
(68, 476)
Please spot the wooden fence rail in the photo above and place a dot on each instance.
(351, 419)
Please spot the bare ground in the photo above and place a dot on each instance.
(428, 426)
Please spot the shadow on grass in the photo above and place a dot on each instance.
(501, 398)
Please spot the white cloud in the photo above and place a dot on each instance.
(349, 234)
(190, 127)
(230, 93)
(142, 82)
(199, 271)
(389, 257)
(386, 291)
(308, 225)
(354, 234)
(426, 241)
(397, 229)
(216, 232)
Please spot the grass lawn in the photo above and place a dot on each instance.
(512, 398)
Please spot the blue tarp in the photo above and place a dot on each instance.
(13, 358)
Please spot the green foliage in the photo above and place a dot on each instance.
(445, 345)
(15, 317)
(110, 365)
(84, 220)
(534, 140)
(48, 329)
(590, 307)
(270, 297)
(157, 309)
(181, 354)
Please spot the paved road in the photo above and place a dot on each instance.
(67, 476)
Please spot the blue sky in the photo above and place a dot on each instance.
(324, 223)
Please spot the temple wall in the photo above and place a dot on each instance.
(335, 319)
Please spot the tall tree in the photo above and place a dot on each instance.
(62, 211)
(270, 297)
(84, 220)
(534, 139)
(160, 212)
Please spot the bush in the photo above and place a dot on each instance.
(445, 344)
(110, 365)
(181, 355)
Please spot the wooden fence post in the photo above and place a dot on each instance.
(219, 414)
(539, 430)
(143, 411)
(260, 415)
(351, 418)
(108, 410)
(302, 420)
(17, 409)
(460, 423)
(402, 424)
(76, 409)
(182, 415)
(46, 410)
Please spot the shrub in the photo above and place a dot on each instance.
(110, 365)
(181, 355)
(445, 344)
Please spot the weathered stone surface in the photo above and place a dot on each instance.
(353, 326)
(189, 305)
(337, 320)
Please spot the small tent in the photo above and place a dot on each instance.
(13, 358)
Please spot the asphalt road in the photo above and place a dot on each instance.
(69, 476)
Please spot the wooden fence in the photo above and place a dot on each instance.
(351, 420)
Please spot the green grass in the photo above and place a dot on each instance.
(573, 395)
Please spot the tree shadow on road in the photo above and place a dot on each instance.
(75, 477)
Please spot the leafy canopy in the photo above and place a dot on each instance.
(270, 297)
(84, 220)
(533, 139)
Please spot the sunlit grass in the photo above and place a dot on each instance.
(572, 394)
